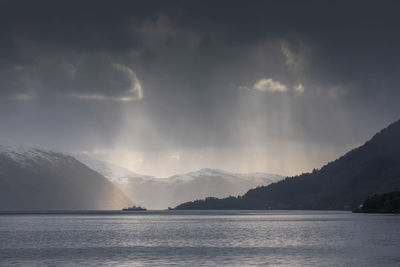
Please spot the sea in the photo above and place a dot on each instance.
(200, 238)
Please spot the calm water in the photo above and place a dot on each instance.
(201, 239)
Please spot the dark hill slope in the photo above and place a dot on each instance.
(381, 203)
(33, 179)
(343, 184)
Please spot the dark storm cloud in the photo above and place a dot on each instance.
(199, 73)
(348, 39)
(87, 77)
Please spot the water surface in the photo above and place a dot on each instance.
(201, 238)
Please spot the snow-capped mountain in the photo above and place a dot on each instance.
(160, 193)
(30, 157)
(112, 172)
(36, 179)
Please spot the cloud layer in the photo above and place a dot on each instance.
(94, 77)
(157, 77)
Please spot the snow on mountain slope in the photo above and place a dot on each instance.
(36, 179)
(160, 193)
(114, 173)
(29, 157)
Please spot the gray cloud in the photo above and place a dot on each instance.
(92, 76)
(78, 66)
(101, 78)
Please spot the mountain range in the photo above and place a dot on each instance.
(35, 179)
(342, 184)
(160, 193)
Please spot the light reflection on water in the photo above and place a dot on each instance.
(201, 238)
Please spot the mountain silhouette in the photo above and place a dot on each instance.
(34, 179)
(342, 184)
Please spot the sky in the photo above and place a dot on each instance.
(166, 87)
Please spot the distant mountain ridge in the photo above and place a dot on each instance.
(36, 179)
(342, 184)
(112, 172)
(160, 193)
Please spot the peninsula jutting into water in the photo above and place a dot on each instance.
(381, 203)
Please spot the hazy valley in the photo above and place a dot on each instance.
(160, 193)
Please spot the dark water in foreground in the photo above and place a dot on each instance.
(230, 238)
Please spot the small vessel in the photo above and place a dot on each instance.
(134, 208)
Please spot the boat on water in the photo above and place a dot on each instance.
(134, 208)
